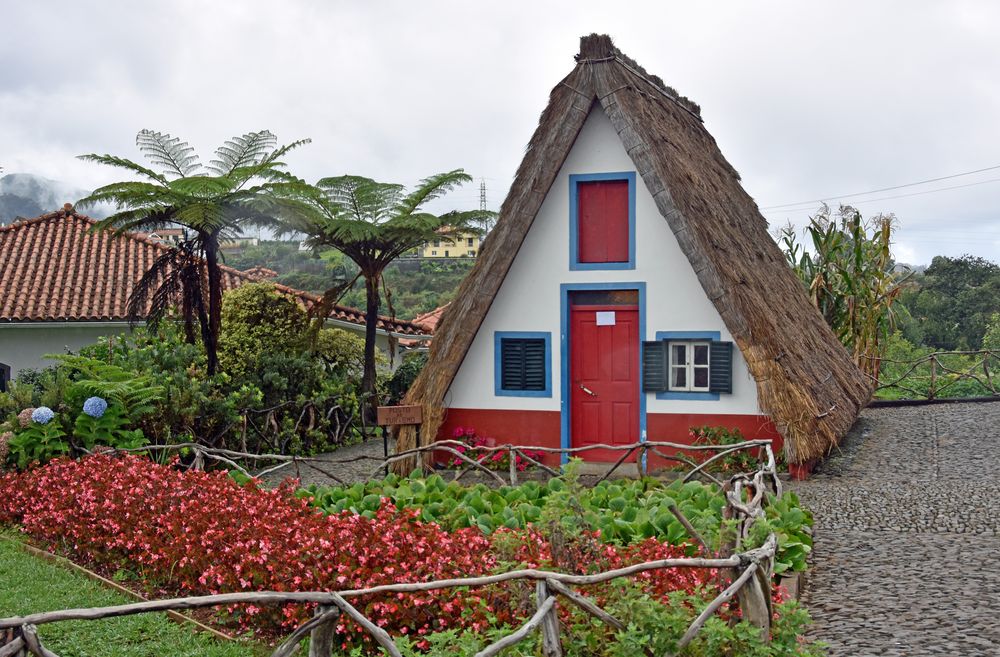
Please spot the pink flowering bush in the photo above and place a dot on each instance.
(499, 460)
(202, 533)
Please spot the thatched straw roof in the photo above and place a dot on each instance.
(806, 381)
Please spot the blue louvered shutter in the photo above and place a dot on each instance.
(720, 365)
(654, 366)
(523, 364)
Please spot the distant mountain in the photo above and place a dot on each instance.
(27, 195)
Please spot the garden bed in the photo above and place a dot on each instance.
(203, 533)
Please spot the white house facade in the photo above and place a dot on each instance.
(589, 322)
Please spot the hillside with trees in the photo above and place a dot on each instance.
(417, 285)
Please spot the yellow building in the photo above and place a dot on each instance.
(463, 245)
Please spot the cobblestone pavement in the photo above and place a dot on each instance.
(907, 555)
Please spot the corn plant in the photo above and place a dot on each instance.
(851, 277)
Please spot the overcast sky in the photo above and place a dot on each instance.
(807, 100)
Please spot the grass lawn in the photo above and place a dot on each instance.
(29, 584)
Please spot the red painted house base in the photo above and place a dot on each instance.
(801, 471)
(543, 428)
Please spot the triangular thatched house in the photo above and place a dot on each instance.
(631, 291)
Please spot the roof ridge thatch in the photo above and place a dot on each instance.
(806, 380)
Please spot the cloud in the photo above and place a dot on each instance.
(806, 101)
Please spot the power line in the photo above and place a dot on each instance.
(883, 189)
(888, 198)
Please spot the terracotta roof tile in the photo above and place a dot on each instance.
(54, 269)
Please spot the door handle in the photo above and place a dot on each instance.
(588, 390)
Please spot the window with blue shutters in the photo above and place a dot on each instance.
(523, 364)
(693, 365)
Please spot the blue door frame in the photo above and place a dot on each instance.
(564, 293)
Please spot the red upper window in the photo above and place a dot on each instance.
(603, 221)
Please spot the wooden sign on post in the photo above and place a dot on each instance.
(389, 416)
(394, 416)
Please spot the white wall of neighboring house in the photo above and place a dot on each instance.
(23, 346)
(529, 298)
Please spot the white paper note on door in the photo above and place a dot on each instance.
(605, 318)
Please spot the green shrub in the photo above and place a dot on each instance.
(344, 352)
(744, 460)
(110, 430)
(259, 321)
(405, 375)
(39, 441)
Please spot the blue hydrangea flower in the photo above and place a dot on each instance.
(42, 415)
(95, 407)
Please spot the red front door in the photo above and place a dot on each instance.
(604, 378)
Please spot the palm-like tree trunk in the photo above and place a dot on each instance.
(371, 325)
(211, 336)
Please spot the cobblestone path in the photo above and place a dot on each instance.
(907, 554)
(359, 470)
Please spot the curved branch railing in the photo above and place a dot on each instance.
(940, 376)
(231, 458)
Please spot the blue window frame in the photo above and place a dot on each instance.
(498, 361)
(682, 336)
(574, 243)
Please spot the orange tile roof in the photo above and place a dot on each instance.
(54, 269)
(430, 319)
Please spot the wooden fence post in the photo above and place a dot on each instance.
(550, 625)
(755, 600)
(321, 639)
(930, 391)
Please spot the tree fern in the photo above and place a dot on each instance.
(374, 223)
(245, 184)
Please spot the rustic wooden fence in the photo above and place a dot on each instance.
(751, 573)
(935, 375)
(472, 459)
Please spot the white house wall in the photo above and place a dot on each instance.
(24, 346)
(529, 297)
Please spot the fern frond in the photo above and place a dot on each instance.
(175, 156)
(245, 151)
(202, 186)
(123, 163)
(145, 218)
(361, 199)
(431, 188)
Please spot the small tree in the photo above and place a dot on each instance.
(259, 321)
(373, 224)
(244, 185)
(851, 278)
